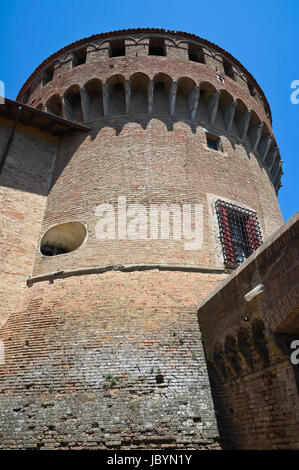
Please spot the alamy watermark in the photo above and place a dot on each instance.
(157, 221)
(295, 94)
(294, 358)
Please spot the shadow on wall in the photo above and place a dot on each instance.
(118, 101)
(117, 124)
(30, 164)
(73, 141)
(140, 99)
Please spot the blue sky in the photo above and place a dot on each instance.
(263, 35)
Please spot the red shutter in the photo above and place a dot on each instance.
(252, 235)
(229, 253)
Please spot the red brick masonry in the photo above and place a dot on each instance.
(247, 344)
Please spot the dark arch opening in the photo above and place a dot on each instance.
(139, 93)
(162, 85)
(54, 105)
(183, 97)
(117, 102)
(94, 98)
(73, 106)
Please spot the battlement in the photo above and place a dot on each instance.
(139, 43)
(165, 75)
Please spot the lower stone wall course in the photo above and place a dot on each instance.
(108, 361)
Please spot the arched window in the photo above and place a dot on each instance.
(183, 97)
(54, 105)
(94, 97)
(117, 96)
(139, 93)
(162, 85)
(73, 106)
(207, 91)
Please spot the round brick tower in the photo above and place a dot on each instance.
(106, 351)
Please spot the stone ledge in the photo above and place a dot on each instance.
(123, 268)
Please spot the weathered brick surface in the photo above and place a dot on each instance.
(151, 166)
(83, 356)
(24, 188)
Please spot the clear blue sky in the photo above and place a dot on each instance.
(263, 35)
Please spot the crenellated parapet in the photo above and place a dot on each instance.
(171, 98)
(130, 44)
(154, 73)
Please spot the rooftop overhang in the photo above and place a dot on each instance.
(29, 116)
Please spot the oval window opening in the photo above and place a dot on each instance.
(63, 238)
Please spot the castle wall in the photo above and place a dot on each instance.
(150, 164)
(85, 358)
(103, 347)
(207, 58)
(24, 186)
(248, 346)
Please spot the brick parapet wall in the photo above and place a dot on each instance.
(137, 47)
(255, 387)
(198, 93)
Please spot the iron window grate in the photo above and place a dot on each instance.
(239, 230)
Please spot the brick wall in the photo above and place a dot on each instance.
(150, 164)
(83, 360)
(23, 192)
(84, 354)
(254, 385)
